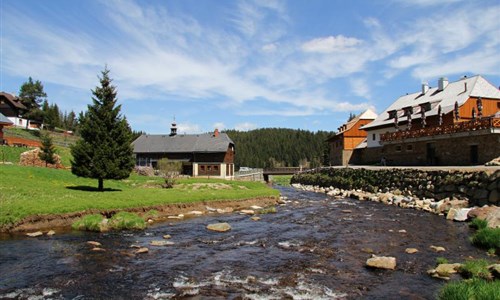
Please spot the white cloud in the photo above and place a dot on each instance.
(330, 44)
(270, 47)
(188, 128)
(427, 2)
(219, 125)
(360, 87)
(246, 126)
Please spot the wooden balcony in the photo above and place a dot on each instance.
(465, 126)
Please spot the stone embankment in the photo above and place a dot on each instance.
(454, 194)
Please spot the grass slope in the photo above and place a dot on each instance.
(26, 191)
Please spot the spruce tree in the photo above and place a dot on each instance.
(104, 150)
(47, 150)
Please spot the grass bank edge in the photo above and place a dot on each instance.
(40, 191)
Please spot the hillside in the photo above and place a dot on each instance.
(274, 147)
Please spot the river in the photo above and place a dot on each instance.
(314, 247)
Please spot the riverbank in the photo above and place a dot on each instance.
(32, 197)
(152, 214)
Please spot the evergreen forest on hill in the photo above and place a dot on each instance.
(280, 147)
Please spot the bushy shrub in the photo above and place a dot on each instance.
(89, 223)
(478, 223)
(487, 238)
(475, 269)
(125, 220)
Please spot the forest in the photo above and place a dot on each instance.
(280, 147)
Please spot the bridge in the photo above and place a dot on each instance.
(263, 174)
(280, 171)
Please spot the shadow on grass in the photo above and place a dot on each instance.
(91, 189)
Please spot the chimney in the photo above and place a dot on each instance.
(425, 87)
(173, 129)
(442, 83)
(216, 132)
(465, 87)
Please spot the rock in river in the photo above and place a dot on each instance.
(438, 248)
(34, 234)
(161, 243)
(94, 243)
(411, 250)
(219, 227)
(382, 262)
(142, 250)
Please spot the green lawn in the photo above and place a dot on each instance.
(26, 191)
(12, 154)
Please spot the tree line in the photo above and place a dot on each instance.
(280, 147)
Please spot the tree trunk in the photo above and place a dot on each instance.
(101, 184)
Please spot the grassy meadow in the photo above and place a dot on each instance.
(26, 191)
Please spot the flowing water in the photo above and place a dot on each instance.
(314, 247)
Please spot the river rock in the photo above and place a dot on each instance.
(437, 248)
(382, 262)
(51, 232)
(247, 211)
(142, 250)
(489, 213)
(255, 207)
(219, 227)
(411, 250)
(94, 243)
(98, 249)
(167, 236)
(195, 213)
(444, 270)
(34, 234)
(458, 214)
(161, 243)
(225, 210)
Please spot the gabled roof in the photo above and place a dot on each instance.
(4, 120)
(186, 143)
(366, 115)
(459, 91)
(13, 100)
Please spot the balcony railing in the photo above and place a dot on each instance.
(477, 124)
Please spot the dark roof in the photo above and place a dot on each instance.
(13, 100)
(182, 143)
(4, 120)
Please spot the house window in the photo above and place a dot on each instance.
(409, 147)
(398, 148)
(392, 114)
(374, 136)
(408, 110)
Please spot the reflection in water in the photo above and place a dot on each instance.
(315, 247)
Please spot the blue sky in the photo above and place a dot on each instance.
(245, 64)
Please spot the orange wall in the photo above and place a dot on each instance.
(355, 131)
(490, 107)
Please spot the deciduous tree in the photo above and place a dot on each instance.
(32, 95)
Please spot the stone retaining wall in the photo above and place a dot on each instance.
(477, 187)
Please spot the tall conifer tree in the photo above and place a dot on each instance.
(48, 150)
(104, 150)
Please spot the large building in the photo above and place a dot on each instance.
(455, 123)
(12, 108)
(348, 137)
(202, 155)
(3, 122)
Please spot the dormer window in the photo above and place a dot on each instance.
(408, 110)
(425, 106)
(392, 114)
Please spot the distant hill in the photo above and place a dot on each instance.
(275, 147)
